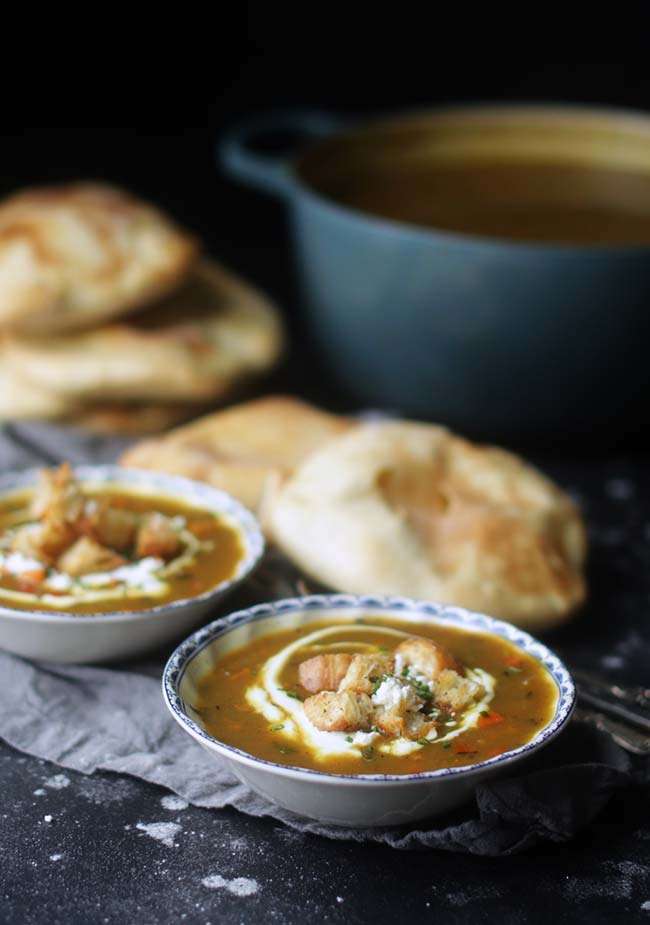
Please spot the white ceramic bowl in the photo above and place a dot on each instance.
(356, 799)
(99, 637)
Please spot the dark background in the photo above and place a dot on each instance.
(142, 104)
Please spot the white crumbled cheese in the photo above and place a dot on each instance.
(137, 575)
(412, 673)
(58, 582)
(17, 564)
(392, 693)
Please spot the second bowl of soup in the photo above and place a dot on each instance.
(101, 562)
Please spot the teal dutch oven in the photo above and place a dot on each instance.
(497, 337)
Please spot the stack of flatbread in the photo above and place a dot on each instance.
(112, 319)
(391, 507)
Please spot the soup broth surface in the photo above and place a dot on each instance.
(210, 549)
(240, 704)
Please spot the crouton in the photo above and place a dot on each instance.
(156, 537)
(323, 672)
(44, 541)
(110, 526)
(57, 496)
(86, 556)
(365, 671)
(453, 693)
(396, 705)
(343, 711)
(424, 656)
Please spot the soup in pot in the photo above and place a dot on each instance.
(531, 201)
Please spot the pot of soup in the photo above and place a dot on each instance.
(484, 266)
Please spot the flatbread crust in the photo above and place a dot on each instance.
(405, 508)
(244, 450)
(131, 420)
(194, 346)
(73, 256)
(22, 400)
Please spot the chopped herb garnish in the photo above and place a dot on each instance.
(405, 671)
(284, 749)
(446, 744)
(277, 727)
(368, 753)
(349, 739)
(289, 693)
(423, 741)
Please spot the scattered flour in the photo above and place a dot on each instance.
(55, 857)
(240, 886)
(646, 905)
(101, 792)
(164, 832)
(612, 661)
(57, 782)
(173, 803)
(39, 793)
(47, 818)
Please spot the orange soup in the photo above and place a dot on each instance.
(376, 696)
(67, 546)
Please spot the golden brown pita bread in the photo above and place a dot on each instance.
(22, 400)
(242, 448)
(131, 420)
(194, 346)
(72, 256)
(410, 509)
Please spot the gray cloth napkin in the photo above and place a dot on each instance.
(113, 719)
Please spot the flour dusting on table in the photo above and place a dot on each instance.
(164, 832)
(239, 886)
(173, 803)
(57, 782)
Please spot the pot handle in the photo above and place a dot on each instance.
(270, 173)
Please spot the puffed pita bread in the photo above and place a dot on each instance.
(73, 256)
(241, 449)
(410, 509)
(194, 346)
(131, 420)
(22, 400)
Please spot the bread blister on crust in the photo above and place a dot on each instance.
(75, 255)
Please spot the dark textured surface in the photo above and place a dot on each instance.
(109, 871)
(91, 863)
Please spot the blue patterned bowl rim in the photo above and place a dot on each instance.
(196, 494)
(443, 613)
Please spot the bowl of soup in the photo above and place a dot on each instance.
(366, 710)
(102, 562)
(475, 265)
